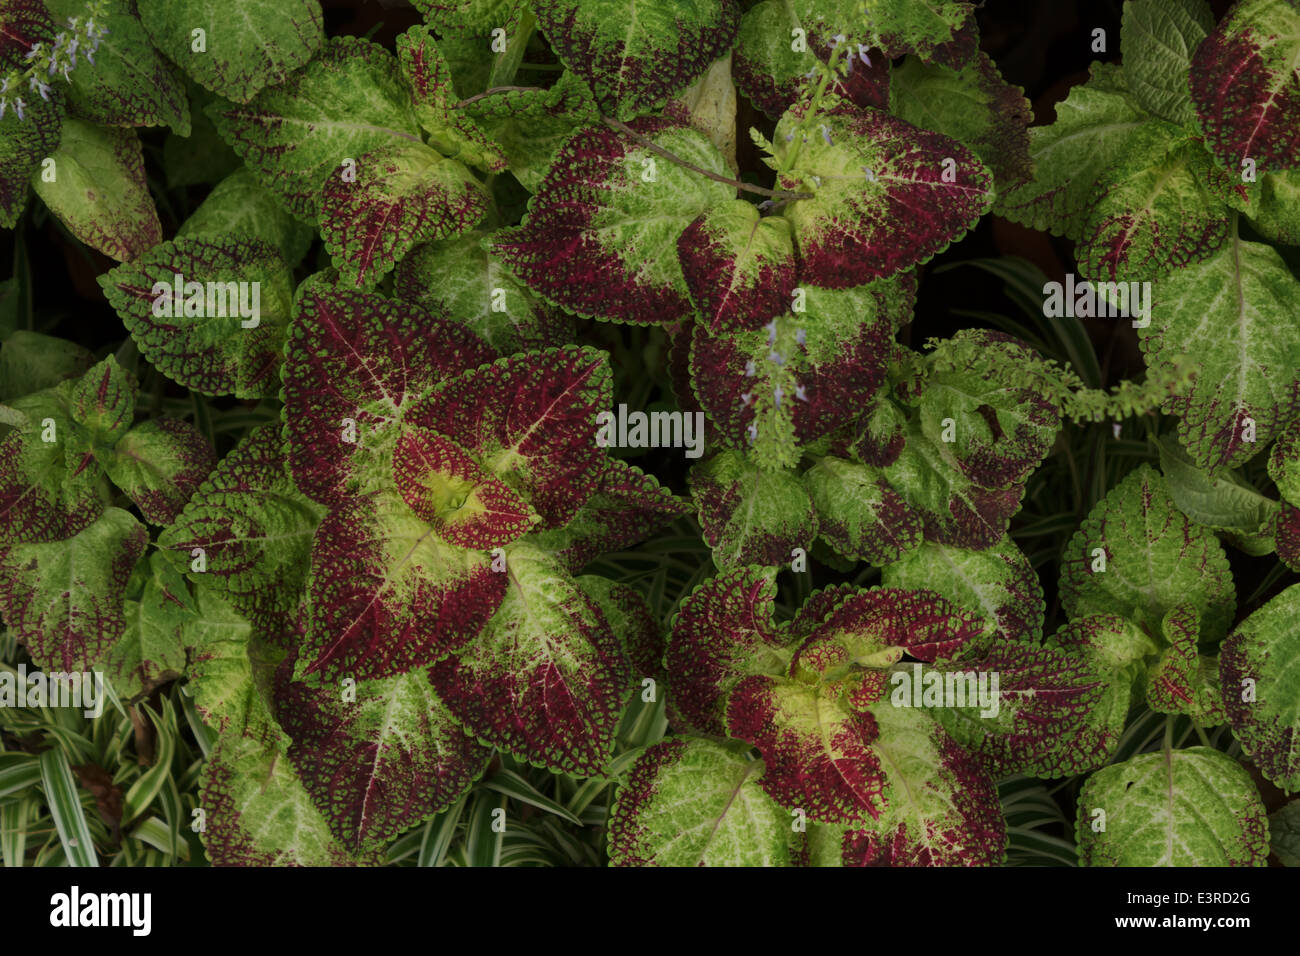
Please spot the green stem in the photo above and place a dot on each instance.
(507, 64)
(815, 105)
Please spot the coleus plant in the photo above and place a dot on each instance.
(391, 585)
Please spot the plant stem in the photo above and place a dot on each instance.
(658, 150)
(498, 89)
(507, 63)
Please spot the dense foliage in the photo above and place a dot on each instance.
(511, 443)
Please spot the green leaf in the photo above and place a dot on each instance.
(636, 55)
(103, 401)
(1222, 503)
(64, 598)
(938, 31)
(1183, 681)
(151, 651)
(1284, 463)
(1259, 677)
(1284, 833)
(25, 141)
(692, 802)
(129, 84)
(1157, 40)
(859, 514)
(65, 809)
(99, 190)
(160, 464)
(751, 516)
(1233, 312)
(245, 44)
(344, 103)
(150, 783)
(30, 362)
(240, 205)
(1136, 555)
(1192, 807)
(206, 343)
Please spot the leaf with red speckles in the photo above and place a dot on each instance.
(887, 195)
(25, 142)
(530, 420)
(858, 514)
(1183, 681)
(938, 31)
(479, 17)
(975, 106)
(160, 464)
(739, 267)
(64, 598)
(1234, 313)
(99, 191)
(240, 204)
(355, 364)
(722, 633)
(1259, 686)
(1245, 88)
(634, 59)
(998, 583)
(447, 488)
(451, 132)
(254, 527)
(49, 487)
(1156, 212)
(633, 623)
(751, 516)
(1137, 555)
(199, 337)
(401, 196)
(249, 44)
(1284, 528)
(387, 594)
(626, 507)
(600, 237)
(1194, 808)
(151, 651)
(349, 100)
(693, 802)
(466, 282)
(1284, 462)
(379, 764)
(546, 678)
(103, 401)
(804, 374)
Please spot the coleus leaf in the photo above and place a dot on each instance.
(47, 490)
(398, 196)
(1157, 40)
(1257, 669)
(751, 516)
(634, 59)
(1183, 681)
(103, 401)
(151, 651)
(693, 802)
(1157, 212)
(479, 17)
(1193, 807)
(464, 280)
(99, 190)
(740, 268)
(259, 813)
(805, 373)
(239, 204)
(1118, 652)
(247, 44)
(64, 598)
(1093, 130)
(546, 678)
(25, 141)
(1138, 556)
(1276, 216)
(997, 583)
(633, 623)
(1224, 503)
(885, 194)
(626, 506)
(160, 464)
(387, 595)
(1245, 88)
(1232, 311)
(355, 364)
(975, 106)
(381, 763)
(254, 529)
(205, 343)
(600, 236)
(943, 31)
(32, 362)
(453, 133)
(346, 102)
(1284, 462)
(131, 84)
(1284, 833)
(1284, 529)
(445, 486)
(530, 419)
(722, 633)
(859, 514)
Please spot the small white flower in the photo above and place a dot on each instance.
(777, 395)
(801, 336)
(800, 394)
(750, 371)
